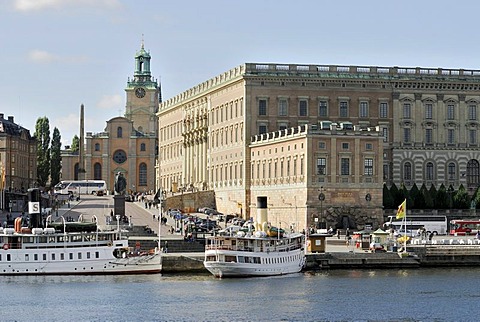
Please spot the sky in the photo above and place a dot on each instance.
(58, 54)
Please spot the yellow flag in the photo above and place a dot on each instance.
(402, 210)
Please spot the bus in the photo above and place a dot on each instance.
(432, 223)
(460, 227)
(80, 187)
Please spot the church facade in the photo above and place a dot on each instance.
(128, 145)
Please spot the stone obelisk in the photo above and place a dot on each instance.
(81, 148)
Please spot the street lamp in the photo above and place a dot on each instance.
(321, 197)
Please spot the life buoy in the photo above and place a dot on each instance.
(6, 246)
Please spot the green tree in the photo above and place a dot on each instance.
(42, 135)
(55, 158)
(427, 197)
(75, 144)
(442, 199)
(461, 199)
(387, 198)
(416, 197)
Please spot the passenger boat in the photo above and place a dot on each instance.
(255, 253)
(71, 248)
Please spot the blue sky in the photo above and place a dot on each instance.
(58, 54)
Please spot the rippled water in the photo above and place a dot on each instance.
(339, 295)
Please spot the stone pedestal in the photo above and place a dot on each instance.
(119, 205)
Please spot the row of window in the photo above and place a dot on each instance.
(62, 256)
(450, 113)
(322, 108)
(322, 170)
(228, 111)
(472, 174)
(450, 137)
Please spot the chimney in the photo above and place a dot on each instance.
(10, 119)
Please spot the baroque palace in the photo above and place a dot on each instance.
(320, 141)
(128, 145)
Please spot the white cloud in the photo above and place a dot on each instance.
(42, 56)
(37, 5)
(110, 101)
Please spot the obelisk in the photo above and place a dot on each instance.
(81, 149)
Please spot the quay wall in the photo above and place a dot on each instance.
(416, 257)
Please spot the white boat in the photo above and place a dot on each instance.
(72, 248)
(256, 254)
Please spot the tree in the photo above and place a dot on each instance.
(387, 198)
(55, 158)
(42, 135)
(461, 199)
(75, 144)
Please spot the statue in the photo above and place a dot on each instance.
(120, 184)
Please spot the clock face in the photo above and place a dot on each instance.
(140, 92)
(120, 156)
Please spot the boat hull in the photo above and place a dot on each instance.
(235, 269)
(92, 261)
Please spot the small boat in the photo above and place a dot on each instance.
(255, 253)
(72, 248)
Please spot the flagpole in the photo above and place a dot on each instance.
(406, 236)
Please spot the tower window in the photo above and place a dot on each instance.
(119, 132)
(142, 174)
(142, 147)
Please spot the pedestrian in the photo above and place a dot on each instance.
(347, 233)
(165, 247)
(477, 236)
(338, 233)
(430, 236)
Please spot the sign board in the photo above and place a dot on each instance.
(34, 207)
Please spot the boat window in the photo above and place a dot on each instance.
(79, 255)
(231, 259)
(26, 258)
(44, 257)
(35, 257)
(97, 255)
(241, 259)
(70, 255)
(8, 258)
(53, 256)
(62, 256)
(88, 255)
(27, 240)
(0, 257)
(42, 239)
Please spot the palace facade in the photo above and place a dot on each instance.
(333, 134)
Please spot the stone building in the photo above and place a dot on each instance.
(427, 120)
(18, 163)
(128, 144)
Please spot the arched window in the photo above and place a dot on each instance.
(142, 147)
(142, 174)
(119, 132)
(473, 173)
(407, 171)
(97, 146)
(75, 171)
(429, 171)
(452, 171)
(97, 171)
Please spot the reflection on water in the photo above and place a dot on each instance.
(336, 295)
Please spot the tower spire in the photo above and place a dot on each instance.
(143, 42)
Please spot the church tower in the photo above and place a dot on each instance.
(143, 96)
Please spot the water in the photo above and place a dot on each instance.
(338, 295)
